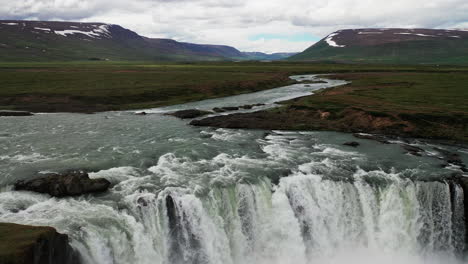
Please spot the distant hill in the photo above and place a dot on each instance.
(66, 41)
(400, 46)
(265, 57)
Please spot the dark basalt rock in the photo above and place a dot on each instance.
(378, 138)
(191, 113)
(415, 151)
(312, 82)
(462, 181)
(230, 108)
(15, 113)
(247, 107)
(22, 244)
(218, 110)
(178, 240)
(61, 185)
(452, 158)
(351, 144)
(141, 113)
(141, 201)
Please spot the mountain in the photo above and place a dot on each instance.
(393, 45)
(66, 41)
(268, 57)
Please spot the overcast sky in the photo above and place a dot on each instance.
(249, 25)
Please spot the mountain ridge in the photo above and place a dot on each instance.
(67, 41)
(390, 45)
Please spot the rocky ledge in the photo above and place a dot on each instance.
(191, 113)
(22, 244)
(61, 185)
(15, 113)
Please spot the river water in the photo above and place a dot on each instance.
(185, 194)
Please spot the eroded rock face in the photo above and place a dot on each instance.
(60, 185)
(23, 244)
(191, 113)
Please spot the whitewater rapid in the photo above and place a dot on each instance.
(185, 195)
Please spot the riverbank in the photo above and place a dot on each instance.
(408, 104)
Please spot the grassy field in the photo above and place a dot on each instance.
(101, 86)
(436, 93)
(418, 104)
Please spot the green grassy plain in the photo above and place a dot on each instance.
(422, 104)
(102, 86)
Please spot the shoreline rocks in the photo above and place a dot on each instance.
(15, 113)
(21, 244)
(190, 113)
(62, 185)
(378, 138)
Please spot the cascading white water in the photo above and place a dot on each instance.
(307, 219)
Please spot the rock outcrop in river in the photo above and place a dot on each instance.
(190, 113)
(22, 244)
(60, 185)
(15, 113)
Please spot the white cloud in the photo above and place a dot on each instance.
(233, 22)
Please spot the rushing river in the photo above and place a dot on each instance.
(184, 195)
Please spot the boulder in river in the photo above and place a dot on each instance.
(21, 244)
(413, 150)
(351, 144)
(379, 138)
(15, 113)
(190, 113)
(61, 185)
(230, 108)
(218, 110)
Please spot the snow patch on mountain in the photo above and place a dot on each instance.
(331, 42)
(43, 29)
(10, 24)
(97, 32)
(420, 35)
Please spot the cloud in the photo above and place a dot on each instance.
(234, 22)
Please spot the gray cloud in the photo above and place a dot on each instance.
(233, 22)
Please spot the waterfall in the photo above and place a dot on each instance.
(305, 219)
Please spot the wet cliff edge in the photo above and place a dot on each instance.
(23, 244)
